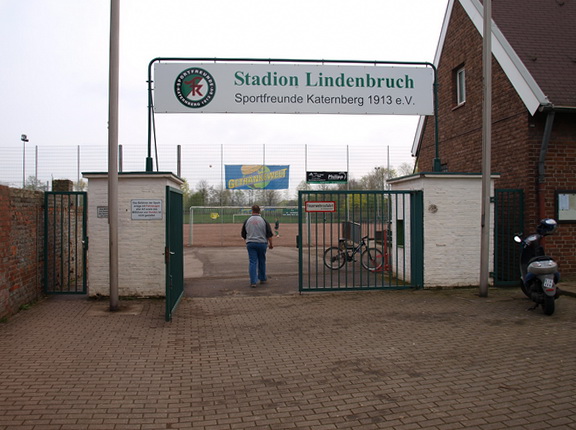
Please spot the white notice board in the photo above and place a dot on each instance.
(144, 209)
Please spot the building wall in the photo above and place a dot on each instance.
(141, 242)
(561, 175)
(516, 135)
(21, 248)
(452, 227)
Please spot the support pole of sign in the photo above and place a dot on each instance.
(437, 167)
(113, 153)
(179, 161)
(149, 163)
(486, 149)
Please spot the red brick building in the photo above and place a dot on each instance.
(533, 112)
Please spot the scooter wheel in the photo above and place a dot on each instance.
(548, 305)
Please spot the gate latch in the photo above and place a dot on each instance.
(167, 254)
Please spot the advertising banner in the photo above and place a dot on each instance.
(257, 177)
(292, 88)
(327, 177)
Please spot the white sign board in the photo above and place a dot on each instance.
(320, 206)
(146, 209)
(292, 88)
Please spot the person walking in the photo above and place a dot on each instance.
(257, 233)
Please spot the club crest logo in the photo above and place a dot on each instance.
(195, 87)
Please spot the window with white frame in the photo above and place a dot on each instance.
(460, 86)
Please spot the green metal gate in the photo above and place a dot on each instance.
(65, 242)
(360, 240)
(174, 250)
(509, 220)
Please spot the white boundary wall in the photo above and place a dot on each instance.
(141, 242)
(452, 231)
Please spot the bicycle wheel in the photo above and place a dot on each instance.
(372, 259)
(334, 258)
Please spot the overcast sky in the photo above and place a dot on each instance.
(54, 80)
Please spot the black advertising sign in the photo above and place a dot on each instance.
(327, 177)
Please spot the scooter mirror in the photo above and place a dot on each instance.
(517, 239)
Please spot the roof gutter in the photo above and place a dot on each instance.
(542, 162)
(559, 109)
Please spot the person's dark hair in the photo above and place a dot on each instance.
(256, 209)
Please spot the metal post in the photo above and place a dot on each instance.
(486, 150)
(190, 233)
(24, 139)
(113, 152)
(437, 164)
(78, 167)
(306, 160)
(120, 158)
(388, 158)
(179, 161)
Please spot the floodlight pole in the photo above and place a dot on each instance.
(486, 150)
(113, 153)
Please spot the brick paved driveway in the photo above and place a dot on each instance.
(403, 360)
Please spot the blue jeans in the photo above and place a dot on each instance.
(257, 258)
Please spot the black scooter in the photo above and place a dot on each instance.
(539, 273)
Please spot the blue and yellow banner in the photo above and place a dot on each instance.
(257, 177)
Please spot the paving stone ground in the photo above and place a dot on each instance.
(370, 360)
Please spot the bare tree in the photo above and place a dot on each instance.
(406, 169)
(376, 180)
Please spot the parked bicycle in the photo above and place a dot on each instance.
(336, 256)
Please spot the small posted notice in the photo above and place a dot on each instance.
(146, 209)
(102, 211)
(320, 206)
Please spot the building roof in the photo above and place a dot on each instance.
(534, 41)
(543, 35)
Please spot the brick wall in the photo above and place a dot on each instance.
(21, 248)
(561, 175)
(516, 135)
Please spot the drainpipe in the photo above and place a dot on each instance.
(542, 163)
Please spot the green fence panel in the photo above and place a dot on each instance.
(360, 240)
(65, 242)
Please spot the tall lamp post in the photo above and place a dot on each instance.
(24, 139)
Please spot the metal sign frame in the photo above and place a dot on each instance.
(151, 124)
